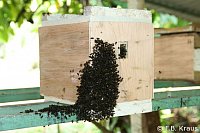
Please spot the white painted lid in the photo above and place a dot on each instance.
(96, 13)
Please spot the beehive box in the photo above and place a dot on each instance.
(177, 54)
(66, 42)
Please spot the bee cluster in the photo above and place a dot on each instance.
(59, 111)
(98, 90)
(99, 82)
(123, 51)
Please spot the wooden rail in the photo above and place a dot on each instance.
(164, 98)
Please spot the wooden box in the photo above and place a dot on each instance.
(65, 43)
(177, 54)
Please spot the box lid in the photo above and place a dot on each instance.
(186, 29)
(96, 13)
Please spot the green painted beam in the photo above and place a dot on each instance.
(18, 121)
(170, 103)
(164, 84)
(16, 109)
(11, 118)
(12, 95)
(175, 94)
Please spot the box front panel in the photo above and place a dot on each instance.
(62, 49)
(137, 69)
(174, 58)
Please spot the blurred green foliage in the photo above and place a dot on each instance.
(80, 127)
(186, 116)
(118, 124)
(17, 11)
(115, 3)
(161, 20)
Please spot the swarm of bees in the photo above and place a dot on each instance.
(98, 89)
(99, 82)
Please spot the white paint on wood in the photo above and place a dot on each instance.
(197, 60)
(18, 103)
(133, 107)
(126, 108)
(118, 12)
(92, 19)
(58, 19)
(172, 89)
(120, 19)
(96, 13)
(65, 101)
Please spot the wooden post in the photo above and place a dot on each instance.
(136, 123)
(99, 3)
(136, 4)
(150, 122)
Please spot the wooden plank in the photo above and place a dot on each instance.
(29, 120)
(197, 60)
(197, 64)
(150, 122)
(197, 76)
(164, 84)
(136, 123)
(133, 107)
(97, 13)
(186, 29)
(170, 103)
(17, 107)
(11, 119)
(174, 58)
(10, 95)
(118, 12)
(62, 49)
(163, 93)
(137, 68)
(59, 19)
(183, 34)
(196, 40)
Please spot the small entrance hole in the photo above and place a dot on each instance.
(123, 50)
